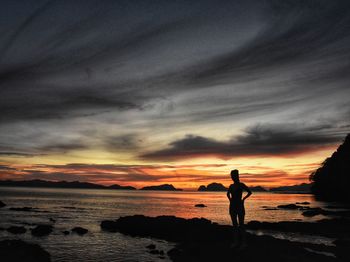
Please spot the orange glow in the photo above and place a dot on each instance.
(185, 174)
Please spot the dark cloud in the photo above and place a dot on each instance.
(123, 142)
(260, 140)
(62, 148)
(17, 154)
(120, 68)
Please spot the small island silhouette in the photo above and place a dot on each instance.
(218, 187)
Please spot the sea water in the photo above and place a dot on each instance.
(87, 208)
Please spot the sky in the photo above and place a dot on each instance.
(152, 92)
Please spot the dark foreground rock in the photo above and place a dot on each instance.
(42, 230)
(310, 212)
(199, 239)
(16, 229)
(80, 230)
(2, 204)
(20, 251)
(333, 228)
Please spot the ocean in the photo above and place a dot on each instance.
(87, 208)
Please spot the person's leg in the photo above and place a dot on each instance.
(242, 233)
(235, 233)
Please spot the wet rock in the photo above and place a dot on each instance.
(313, 212)
(151, 246)
(16, 229)
(200, 205)
(174, 253)
(109, 225)
(310, 212)
(80, 230)
(42, 230)
(20, 251)
(342, 242)
(289, 206)
(2, 204)
(328, 227)
(201, 240)
(24, 209)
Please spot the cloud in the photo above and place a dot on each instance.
(62, 147)
(127, 142)
(137, 82)
(259, 140)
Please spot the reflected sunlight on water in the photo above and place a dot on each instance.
(87, 208)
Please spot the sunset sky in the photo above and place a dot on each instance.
(152, 92)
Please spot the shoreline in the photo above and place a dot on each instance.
(199, 239)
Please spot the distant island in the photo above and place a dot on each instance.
(258, 189)
(218, 187)
(213, 187)
(301, 188)
(60, 184)
(164, 187)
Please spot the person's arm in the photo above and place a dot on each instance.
(249, 192)
(229, 194)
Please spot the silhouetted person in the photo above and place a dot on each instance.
(237, 211)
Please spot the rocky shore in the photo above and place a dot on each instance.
(20, 251)
(199, 239)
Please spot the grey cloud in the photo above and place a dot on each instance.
(64, 60)
(260, 140)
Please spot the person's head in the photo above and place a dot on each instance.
(235, 175)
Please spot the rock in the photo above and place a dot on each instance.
(313, 212)
(310, 212)
(2, 204)
(161, 252)
(339, 227)
(289, 206)
(80, 230)
(154, 252)
(342, 242)
(303, 203)
(269, 208)
(16, 229)
(174, 253)
(65, 232)
(108, 225)
(151, 246)
(200, 205)
(24, 209)
(52, 220)
(18, 250)
(201, 240)
(42, 230)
